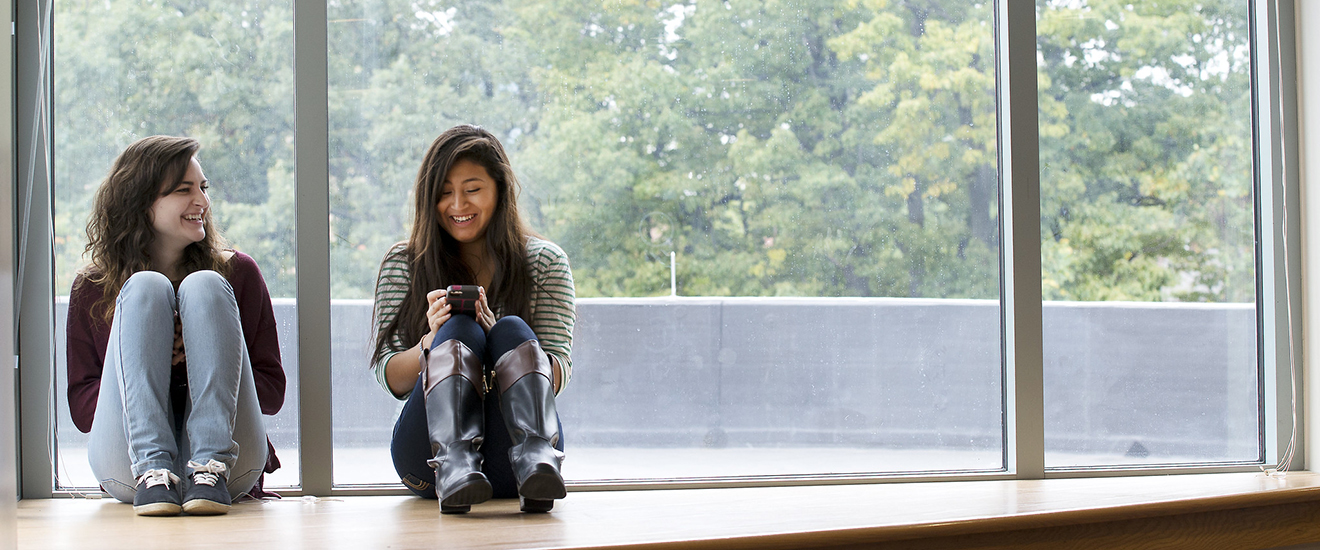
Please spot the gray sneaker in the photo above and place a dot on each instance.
(208, 495)
(157, 494)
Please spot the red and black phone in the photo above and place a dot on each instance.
(463, 299)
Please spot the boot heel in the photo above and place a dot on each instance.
(474, 489)
(544, 483)
(455, 509)
(535, 505)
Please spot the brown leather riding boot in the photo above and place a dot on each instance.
(455, 421)
(527, 399)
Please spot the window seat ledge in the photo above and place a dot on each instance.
(1239, 510)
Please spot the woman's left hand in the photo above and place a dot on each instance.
(485, 317)
(178, 356)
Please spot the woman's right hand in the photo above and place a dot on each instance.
(179, 355)
(437, 313)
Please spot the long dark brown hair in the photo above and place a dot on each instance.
(433, 254)
(119, 230)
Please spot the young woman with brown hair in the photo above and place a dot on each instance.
(172, 348)
(464, 436)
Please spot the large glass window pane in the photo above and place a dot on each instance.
(219, 71)
(1147, 233)
(782, 219)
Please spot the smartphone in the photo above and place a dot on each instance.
(463, 299)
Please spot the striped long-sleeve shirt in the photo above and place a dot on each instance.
(551, 307)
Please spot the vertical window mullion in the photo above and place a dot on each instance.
(312, 169)
(1291, 225)
(36, 313)
(1274, 88)
(8, 411)
(1019, 164)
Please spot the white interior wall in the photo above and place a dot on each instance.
(1308, 115)
(8, 416)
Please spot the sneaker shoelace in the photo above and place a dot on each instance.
(159, 476)
(207, 474)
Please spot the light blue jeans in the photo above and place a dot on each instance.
(134, 428)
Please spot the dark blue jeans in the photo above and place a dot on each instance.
(411, 445)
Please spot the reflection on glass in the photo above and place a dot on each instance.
(1147, 233)
(782, 219)
(218, 71)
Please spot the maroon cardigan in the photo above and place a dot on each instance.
(88, 337)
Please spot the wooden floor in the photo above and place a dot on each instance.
(1220, 511)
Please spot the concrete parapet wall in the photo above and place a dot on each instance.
(1179, 379)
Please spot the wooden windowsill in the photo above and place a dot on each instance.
(1241, 510)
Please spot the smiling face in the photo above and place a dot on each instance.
(179, 213)
(467, 202)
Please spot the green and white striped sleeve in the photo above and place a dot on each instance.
(391, 286)
(552, 309)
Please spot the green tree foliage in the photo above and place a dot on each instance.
(217, 71)
(1146, 151)
(776, 147)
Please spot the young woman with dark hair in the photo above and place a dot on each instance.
(172, 350)
(479, 419)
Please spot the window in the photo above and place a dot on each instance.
(783, 217)
(1148, 234)
(782, 222)
(215, 71)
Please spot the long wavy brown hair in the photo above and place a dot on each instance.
(433, 255)
(119, 230)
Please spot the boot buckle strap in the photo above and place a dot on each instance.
(521, 361)
(453, 357)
